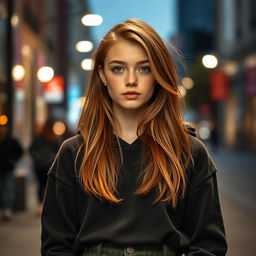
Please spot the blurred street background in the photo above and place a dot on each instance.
(45, 58)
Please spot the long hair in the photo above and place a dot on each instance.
(166, 148)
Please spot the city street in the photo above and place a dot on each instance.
(236, 174)
(127, 68)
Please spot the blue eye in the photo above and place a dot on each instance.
(144, 69)
(117, 69)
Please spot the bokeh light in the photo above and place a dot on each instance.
(92, 20)
(84, 46)
(210, 61)
(25, 50)
(59, 128)
(3, 120)
(18, 72)
(187, 82)
(15, 20)
(86, 64)
(45, 74)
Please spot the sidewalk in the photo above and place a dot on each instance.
(21, 235)
(237, 175)
(237, 187)
(240, 227)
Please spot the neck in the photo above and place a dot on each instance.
(127, 123)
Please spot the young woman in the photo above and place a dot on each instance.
(133, 182)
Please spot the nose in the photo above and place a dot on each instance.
(131, 79)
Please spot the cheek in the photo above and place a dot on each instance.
(114, 82)
(150, 84)
(113, 87)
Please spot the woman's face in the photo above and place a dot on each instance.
(130, 82)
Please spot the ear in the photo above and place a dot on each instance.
(101, 74)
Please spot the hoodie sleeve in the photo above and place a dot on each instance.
(59, 217)
(203, 221)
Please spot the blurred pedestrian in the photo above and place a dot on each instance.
(134, 181)
(214, 137)
(10, 152)
(43, 150)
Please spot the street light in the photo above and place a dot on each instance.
(250, 61)
(3, 120)
(187, 82)
(92, 20)
(18, 72)
(15, 20)
(59, 128)
(230, 67)
(86, 64)
(210, 61)
(25, 50)
(45, 74)
(84, 46)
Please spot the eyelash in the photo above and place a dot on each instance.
(119, 69)
(114, 69)
(145, 67)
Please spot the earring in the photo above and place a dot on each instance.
(105, 83)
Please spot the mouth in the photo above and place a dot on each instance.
(131, 95)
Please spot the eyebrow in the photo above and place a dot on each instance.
(123, 62)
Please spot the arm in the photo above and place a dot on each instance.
(203, 221)
(59, 217)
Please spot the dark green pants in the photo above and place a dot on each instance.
(113, 250)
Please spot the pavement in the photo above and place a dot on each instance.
(237, 183)
(21, 235)
(237, 188)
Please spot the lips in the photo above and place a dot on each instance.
(131, 93)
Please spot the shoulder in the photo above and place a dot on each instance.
(203, 167)
(66, 158)
(70, 148)
(198, 148)
(72, 144)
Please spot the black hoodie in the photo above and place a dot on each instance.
(73, 219)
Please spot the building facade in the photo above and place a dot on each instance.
(195, 38)
(40, 33)
(236, 47)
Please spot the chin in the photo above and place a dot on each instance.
(130, 106)
(133, 107)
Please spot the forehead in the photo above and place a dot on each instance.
(126, 51)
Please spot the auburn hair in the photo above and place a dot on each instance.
(166, 149)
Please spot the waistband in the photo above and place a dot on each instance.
(110, 249)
